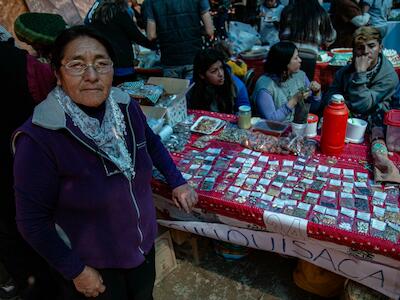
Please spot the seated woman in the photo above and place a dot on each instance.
(215, 88)
(278, 91)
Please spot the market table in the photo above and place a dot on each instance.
(391, 40)
(268, 213)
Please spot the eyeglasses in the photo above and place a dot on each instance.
(78, 67)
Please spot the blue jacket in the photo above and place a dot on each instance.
(62, 178)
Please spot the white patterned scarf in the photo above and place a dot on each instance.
(108, 136)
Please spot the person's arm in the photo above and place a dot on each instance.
(266, 107)
(362, 97)
(208, 24)
(130, 28)
(151, 30)
(360, 20)
(242, 97)
(36, 192)
(182, 194)
(315, 96)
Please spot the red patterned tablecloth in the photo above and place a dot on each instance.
(354, 157)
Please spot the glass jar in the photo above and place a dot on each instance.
(244, 115)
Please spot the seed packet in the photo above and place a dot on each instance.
(377, 228)
(265, 182)
(361, 202)
(328, 199)
(264, 205)
(298, 167)
(317, 185)
(309, 172)
(250, 161)
(346, 200)
(287, 165)
(269, 174)
(296, 195)
(277, 205)
(301, 211)
(346, 219)
(186, 176)
(365, 216)
(363, 177)
(240, 179)
(214, 173)
(245, 170)
(273, 191)
(256, 169)
(392, 233)
(193, 169)
(254, 175)
(214, 151)
(347, 187)
(392, 216)
(379, 198)
(232, 192)
(204, 169)
(297, 173)
(273, 165)
(246, 152)
(195, 181)
(221, 164)
(328, 220)
(242, 196)
(254, 197)
(335, 172)
(311, 198)
(228, 176)
(280, 178)
(392, 195)
(322, 171)
(379, 213)
(305, 184)
(291, 181)
(221, 187)
(361, 188)
(361, 227)
(285, 193)
(348, 173)
(317, 214)
(288, 210)
(249, 184)
(208, 184)
(209, 159)
(263, 159)
(200, 144)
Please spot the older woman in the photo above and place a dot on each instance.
(278, 91)
(83, 165)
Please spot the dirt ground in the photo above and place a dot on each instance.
(259, 276)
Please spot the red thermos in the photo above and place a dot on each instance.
(334, 126)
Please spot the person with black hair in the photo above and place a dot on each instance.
(215, 88)
(283, 85)
(113, 18)
(307, 24)
(82, 170)
(24, 82)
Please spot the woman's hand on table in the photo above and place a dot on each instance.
(315, 87)
(89, 282)
(185, 197)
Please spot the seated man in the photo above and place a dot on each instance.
(369, 82)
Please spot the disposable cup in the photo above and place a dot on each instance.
(355, 130)
(299, 129)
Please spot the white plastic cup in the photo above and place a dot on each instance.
(299, 129)
(355, 130)
(312, 122)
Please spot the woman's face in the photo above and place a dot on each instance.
(90, 88)
(215, 74)
(295, 63)
(270, 3)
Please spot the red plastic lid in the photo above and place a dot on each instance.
(392, 117)
(312, 118)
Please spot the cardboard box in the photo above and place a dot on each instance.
(157, 113)
(165, 256)
(175, 99)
